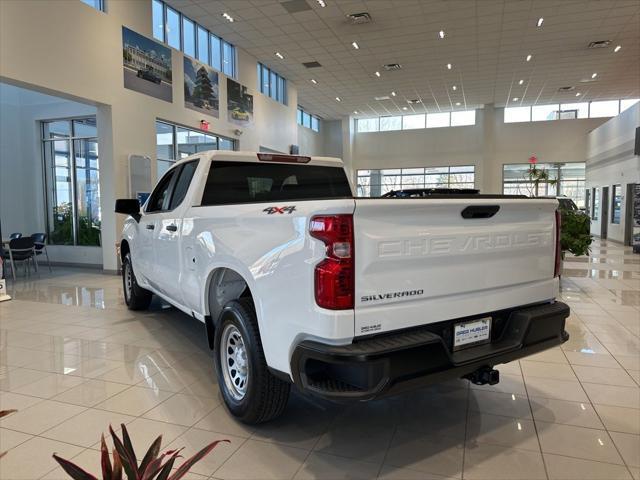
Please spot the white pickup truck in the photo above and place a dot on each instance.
(298, 282)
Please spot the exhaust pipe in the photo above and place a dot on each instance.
(484, 376)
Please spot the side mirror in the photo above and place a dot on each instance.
(128, 206)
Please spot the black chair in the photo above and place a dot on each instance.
(15, 235)
(40, 246)
(21, 250)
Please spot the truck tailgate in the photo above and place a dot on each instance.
(420, 261)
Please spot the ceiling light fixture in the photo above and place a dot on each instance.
(520, 82)
(356, 112)
(377, 74)
(393, 94)
(355, 45)
(322, 3)
(594, 75)
(454, 88)
(540, 21)
(279, 55)
(457, 104)
(338, 99)
(578, 94)
(448, 66)
(228, 17)
(529, 57)
(617, 49)
(404, 108)
(515, 99)
(441, 33)
(313, 80)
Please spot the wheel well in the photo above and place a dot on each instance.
(225, 285)
(124, 249)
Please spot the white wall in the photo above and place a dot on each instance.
(610, 161)
(70, 49)
(488, 145)
(311, 142)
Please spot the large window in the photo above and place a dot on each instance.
(416, 121)
(595, 210)
(174, 142)
(97, 4)
(272, 84)
(616, 204)
(566, 111)
(559, 179)
(182, 33)
(373, 183)
(72, 178)
(308, 120)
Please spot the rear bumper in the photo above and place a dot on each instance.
(390, 363)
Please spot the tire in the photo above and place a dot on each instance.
(260, 396)
(136, 297)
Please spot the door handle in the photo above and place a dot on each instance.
(172, 228)
(150, 226)
(479, 211)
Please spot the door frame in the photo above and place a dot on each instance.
(604, 212)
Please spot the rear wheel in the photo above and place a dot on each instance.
(251, 393)
(136, 297)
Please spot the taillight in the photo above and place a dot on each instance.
(334, 276)
(556, 270)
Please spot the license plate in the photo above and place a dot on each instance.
(471, 333)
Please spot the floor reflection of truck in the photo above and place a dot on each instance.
(149, 75)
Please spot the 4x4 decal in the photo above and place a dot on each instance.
(280, 210)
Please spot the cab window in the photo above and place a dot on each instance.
(160, 197)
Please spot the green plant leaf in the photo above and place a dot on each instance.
(151, 455)
(73, 470)
(105, 462)
(188, 463)
(128, 461)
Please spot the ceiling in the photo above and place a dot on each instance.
(486, 42)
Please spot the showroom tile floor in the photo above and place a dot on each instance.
(73, 360)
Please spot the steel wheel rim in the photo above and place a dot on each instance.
(128, 281)
(234, 362)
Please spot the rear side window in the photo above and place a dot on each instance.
(182, 184)
(248, 182)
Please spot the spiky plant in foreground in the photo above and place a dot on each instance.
(4, 413)
(154, 465)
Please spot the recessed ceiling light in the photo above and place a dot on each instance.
(393, 94)
(515, 99)
(578, 94)
(313, 80)
(279, 55)
(457, 104)
(404, 108)
(322, 3)
(355, 45)
(441, 33)
(356, 112)
(338, 99)
(454, 87)
(377, 74)
(448, 66)
(529, 57)
(227, 17)
(617, 49)
(594, 75)
(520, 82)
(540, 21)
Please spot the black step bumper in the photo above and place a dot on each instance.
(391, 363)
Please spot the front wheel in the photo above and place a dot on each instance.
(251, 393)
(136, 297)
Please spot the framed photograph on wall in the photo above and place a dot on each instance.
(147, 66)
(201, 89)
(239, 104)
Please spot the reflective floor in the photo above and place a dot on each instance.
(73, 360)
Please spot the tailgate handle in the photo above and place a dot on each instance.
(480, 211)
